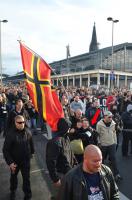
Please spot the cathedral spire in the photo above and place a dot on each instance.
(93, 45)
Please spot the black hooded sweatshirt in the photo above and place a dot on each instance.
(59, 156)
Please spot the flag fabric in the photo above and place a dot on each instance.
(95, 117)
(38, 78)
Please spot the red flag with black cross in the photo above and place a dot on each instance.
(38, 79)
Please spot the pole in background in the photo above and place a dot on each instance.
(67, 58)
(4, 21)
(124, 58)
(112, 50)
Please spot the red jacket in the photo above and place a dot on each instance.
(110, 101)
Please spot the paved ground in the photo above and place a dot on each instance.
(40, 181)
(125, 167)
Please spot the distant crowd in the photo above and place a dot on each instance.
(96, 121)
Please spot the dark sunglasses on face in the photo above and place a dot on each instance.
(21, 122)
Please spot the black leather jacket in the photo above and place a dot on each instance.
(74, 185)
(18, 146)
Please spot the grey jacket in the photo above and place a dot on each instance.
(107, 135)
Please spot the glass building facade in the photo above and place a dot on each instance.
(99, 59)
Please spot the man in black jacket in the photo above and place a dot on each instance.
(127, 130)
(59, 156)
(91, 180)
(18, 148)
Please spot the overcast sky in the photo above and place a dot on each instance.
(47, 26)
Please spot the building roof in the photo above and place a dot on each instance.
(93, 45)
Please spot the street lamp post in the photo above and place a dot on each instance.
(4, 21)
(68, 58)
(112, 50)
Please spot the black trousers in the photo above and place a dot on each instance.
(25, 172)
(3, 125)
(111, 152)
(127, 136)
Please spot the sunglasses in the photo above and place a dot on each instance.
(21, 122)
(110, 117)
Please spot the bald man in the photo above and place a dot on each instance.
(89, 181)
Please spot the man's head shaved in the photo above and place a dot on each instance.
(92, 159)
(92, 150)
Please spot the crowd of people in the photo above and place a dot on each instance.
(87, 139)
(96, 121)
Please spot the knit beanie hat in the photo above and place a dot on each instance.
(107, 113)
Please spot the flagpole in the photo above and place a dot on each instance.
(20, 42)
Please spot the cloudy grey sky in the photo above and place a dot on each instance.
(47, 26)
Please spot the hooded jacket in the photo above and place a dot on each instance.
(74, 186)
(107, 135)
(59, 156)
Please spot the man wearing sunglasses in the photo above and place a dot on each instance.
(18, 148)
(108, 140)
